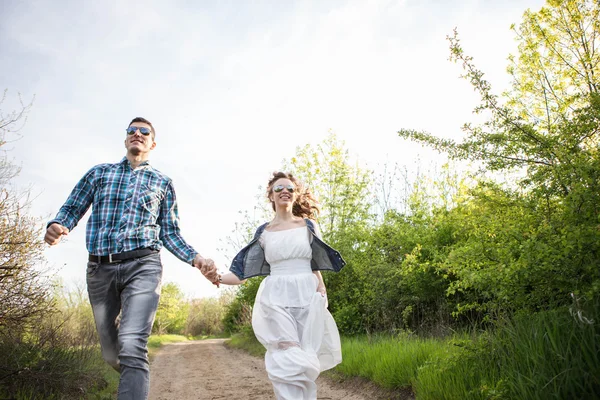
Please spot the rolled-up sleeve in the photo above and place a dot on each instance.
(170, 234)
(77, 203)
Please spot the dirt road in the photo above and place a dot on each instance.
(209, 370)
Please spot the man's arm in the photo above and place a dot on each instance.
(170, 235)
(74, 208)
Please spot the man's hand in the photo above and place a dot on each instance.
(208, 268)
(54, 233)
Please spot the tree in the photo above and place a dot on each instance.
(206, 315)
(47, 347)
(342, 188)
(555, 81)
(340, 185)
(557, 68)
(172, 310)
(531, 243)
(23, 289)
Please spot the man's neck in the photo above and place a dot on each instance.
(136, 160)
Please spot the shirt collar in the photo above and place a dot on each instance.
(125, 161)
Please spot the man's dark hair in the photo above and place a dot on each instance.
(145, 121)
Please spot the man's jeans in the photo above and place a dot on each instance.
(131, 288)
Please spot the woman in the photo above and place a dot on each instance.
(290, 316)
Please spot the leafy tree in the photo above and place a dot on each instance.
(48, 345)
(529, 245)
(172, 310)
(206, 315)
(341, 186)
(343, 190)
(555, 82)
(23, 289)
(557, 67)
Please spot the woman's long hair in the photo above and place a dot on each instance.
(305, 206)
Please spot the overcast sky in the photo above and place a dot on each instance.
(232, 88)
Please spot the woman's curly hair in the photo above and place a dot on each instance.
(305, 206)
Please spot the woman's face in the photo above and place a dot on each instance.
(283, 193)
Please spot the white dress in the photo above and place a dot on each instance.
(290, 318)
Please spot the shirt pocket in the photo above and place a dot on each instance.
(150, 199)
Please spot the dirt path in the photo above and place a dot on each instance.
(209, 370)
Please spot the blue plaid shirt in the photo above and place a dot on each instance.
(132, 209)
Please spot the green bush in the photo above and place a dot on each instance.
(44, 361)
(246, 340)
(551, 354)
(206, 316)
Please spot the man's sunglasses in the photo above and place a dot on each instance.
(144, 131)
(279, 188)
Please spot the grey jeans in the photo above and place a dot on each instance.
(131, 289)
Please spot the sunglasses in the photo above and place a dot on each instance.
(279, 188)
(144, 131)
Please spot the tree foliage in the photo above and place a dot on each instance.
(338, 182)
(461, 249)
(173, 309)
(530, 247)
(206, 316)
(23, 289)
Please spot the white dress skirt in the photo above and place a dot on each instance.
(290, 318)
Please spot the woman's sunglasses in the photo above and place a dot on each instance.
(144, 131)
(279, 188)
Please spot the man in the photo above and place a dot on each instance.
(134, 213)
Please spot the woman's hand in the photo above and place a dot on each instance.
(321, 289)
(229, 279)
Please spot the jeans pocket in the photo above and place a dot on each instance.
(152, 259)
(151, 264)
(92, 268)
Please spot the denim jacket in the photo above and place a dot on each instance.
(250, 261)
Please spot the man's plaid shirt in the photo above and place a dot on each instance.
(131, 209)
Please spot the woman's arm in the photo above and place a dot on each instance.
(321, 288)
(230, 278)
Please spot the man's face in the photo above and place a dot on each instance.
(136, 142)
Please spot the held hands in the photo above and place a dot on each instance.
(54, 233)
(208, 269)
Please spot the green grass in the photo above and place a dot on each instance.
(464, 369)
(62, 373)
(553, 354)
(548, 355)
(156, 341)
(246, 340)
(111, 378)
(390, 362)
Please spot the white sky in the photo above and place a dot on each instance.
(232, 88)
